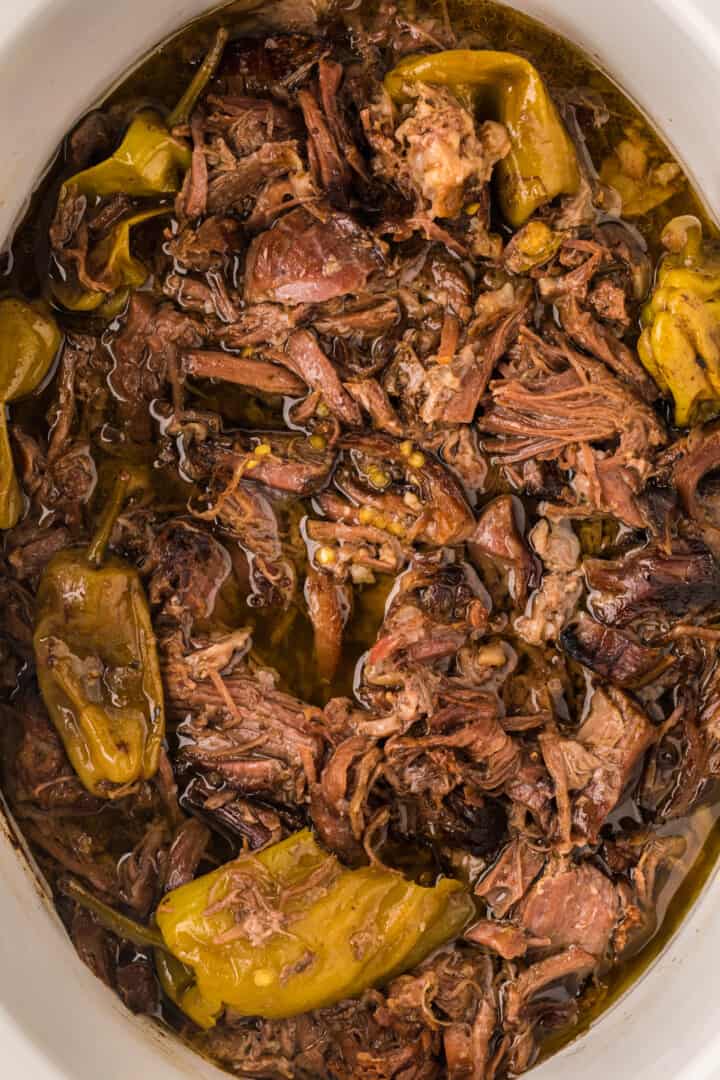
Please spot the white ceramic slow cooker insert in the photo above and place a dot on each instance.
(57, 1022)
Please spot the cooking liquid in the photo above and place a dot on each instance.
(283, 639)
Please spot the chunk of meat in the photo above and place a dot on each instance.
(249, 123)
(28, 559)
(509, 942)
(250, 822)
(433, 612)
(475, 731)
(185, 854)
(328, 605)
(440, 375)
(436, 277)
(617, 733)
(338, 803)
(207, 246)
(259, 375)
(556, 544)
(699, 457)
(36, 769)
(137, 986)
(599, 340)
(499, 536)
(452, 991)
(230, 188)
(571, 905)
(59, 482)
(91, 140)
(443, 517)
(140, 872)
(551, 606)
(260, 741)
(82, 388)
(609, 301)
(359, 323)
(258, 324)
(306, 259)
(458, 448)
(304, 356)
(188, 567)
(510, 878)
(583, 402)
(191, 203)
(352, 1039)
(520, 992)
(358, 550)
(613, 654)
(456, 384)
(93, 944)
(145, 348)
(16, 632)
(643, 857)
(371, 397)
(616, 252)
(277, 197)
(598, 763)
(208, 297)
(437, 154)
(332, 87)
(468, 1046)
(650, 584)
(558, 405)
(249, 517)
(290, 464)
(330, 168)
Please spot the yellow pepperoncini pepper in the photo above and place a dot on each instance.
(542, 162)
(149, 160)
(290, 929)
(97, 662)
(113, 269)
(680, 342)
(639, 175)
(29, 341)
(178, 982)
(534, 245)
(176, 979)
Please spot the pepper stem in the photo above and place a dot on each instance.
(112, 920)
(11, 498)
(684, 236)
(203, 75)
(101, 539)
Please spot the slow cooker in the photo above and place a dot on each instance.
(57, 1022)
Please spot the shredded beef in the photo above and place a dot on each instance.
(435, 154)
(614, 655)
(652, 586)
(430, 570)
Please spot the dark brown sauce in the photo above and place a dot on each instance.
(284, 641)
